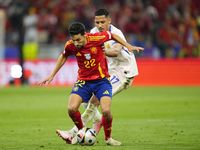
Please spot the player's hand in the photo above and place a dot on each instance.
(103, 48)
(134, 48)
(48, 80)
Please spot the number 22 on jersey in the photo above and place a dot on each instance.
(89, 63)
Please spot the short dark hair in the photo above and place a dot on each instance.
(76, 28)
(101, 12)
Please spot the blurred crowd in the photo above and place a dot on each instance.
(165, 28)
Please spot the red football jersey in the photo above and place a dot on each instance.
(91, 59)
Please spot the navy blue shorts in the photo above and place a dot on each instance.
(85, 89)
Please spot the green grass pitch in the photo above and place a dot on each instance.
(144, 118)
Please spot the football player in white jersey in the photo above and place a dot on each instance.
(122, 68)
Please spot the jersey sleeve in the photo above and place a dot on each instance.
(67, 51)
(102, 37)
(120, 34)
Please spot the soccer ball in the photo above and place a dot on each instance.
(86, 136)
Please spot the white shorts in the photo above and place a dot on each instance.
(119, 81)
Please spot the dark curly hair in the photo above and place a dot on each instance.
(76, 28)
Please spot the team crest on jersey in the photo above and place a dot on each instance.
(87, 56)
(93, 50)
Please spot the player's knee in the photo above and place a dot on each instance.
(106, 113)
(72, 110)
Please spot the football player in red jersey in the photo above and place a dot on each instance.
(93, 76)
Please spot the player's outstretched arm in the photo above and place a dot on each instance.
(113, 51)
(127, 45)
(134, 48)
(48, 80)
(60, 62)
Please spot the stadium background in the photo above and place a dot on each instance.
(160, 115)
(34, 33)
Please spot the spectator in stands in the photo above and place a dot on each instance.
(179, 20)
(30, 24)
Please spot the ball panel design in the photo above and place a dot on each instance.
(86, 136)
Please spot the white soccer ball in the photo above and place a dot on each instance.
(86, 136)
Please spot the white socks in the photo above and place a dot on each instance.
(85, 105)
(89, 113)
(97, 117)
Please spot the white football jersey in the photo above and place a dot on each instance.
(125, 61)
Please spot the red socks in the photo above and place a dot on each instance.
(107, 126)
(76, 118)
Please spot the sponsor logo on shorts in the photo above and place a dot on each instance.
(106, 92)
